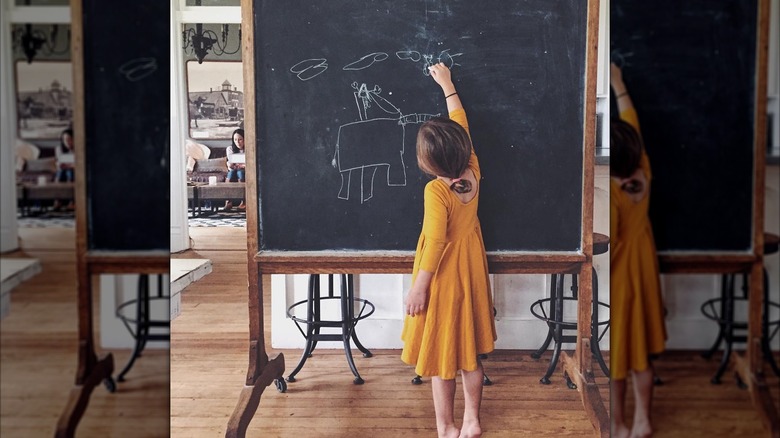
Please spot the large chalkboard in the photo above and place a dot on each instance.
(690, 68)
(126, 120)
(353, 74)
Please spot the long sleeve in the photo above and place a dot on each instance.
(434, 228)
(229, 155)
(459, 116)
(630, 116)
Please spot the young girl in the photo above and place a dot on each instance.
(638, 330)
(449, 307)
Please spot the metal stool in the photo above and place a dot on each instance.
(556, 325)
(143, 321)
(314, 321)
(727, 326)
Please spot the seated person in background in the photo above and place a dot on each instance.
(236, 170)
(64, 154)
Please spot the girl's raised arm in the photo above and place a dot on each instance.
(441, 74)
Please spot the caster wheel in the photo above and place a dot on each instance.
(569, 383)
(715, 381)
(482, 356)
(706, 355)
(657, 381)
(486, 381)
(417, 381)
(740, 383)
(358, 381)
(281, 385)
(110, 384)
(369, 354)
(544, 380)
(290, 379)
(536, 356)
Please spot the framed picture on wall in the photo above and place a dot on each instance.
(44, 98)
(215, 95)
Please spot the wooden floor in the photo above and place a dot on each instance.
(209, 358)
(38, 353)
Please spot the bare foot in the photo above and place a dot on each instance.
(621, 431)
(641, 430)
(449, 432)
(471, 429)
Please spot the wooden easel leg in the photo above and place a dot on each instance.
(759, 395)
(79, 396)
(260, 372)
(249, 399)
(589, 391)
(90, 371)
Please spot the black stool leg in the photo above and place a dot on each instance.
(317, 312)
(594, 326)
(767, 350)
(142, 323)
(346, 297)
(310, 318)
(708, 354)
(728, 329)
(550, 327)
(558, 331)
(358, 344)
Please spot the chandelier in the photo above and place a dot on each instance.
(200, 41)
(31, 41)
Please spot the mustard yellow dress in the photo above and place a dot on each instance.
(636, 308)
(458, 322)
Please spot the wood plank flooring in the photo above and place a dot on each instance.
(38, 352)
(209, 358)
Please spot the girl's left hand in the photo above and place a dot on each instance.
(415, 302)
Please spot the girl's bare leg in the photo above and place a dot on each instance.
(643, 394)
(443, 403)
(618, 397)
(472, 391)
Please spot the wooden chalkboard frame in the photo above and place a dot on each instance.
(262, 371)
(751, 366)
(92, 370)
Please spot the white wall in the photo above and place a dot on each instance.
(513, 295)
(684, 294)
(180, 237)
(8, 225)
(118, 289)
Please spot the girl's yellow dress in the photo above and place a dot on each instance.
(458, 322)
(636, 308)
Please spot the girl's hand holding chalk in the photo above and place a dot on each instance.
(441, 74)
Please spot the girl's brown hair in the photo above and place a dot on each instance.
(625, 149)
(444, 149)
